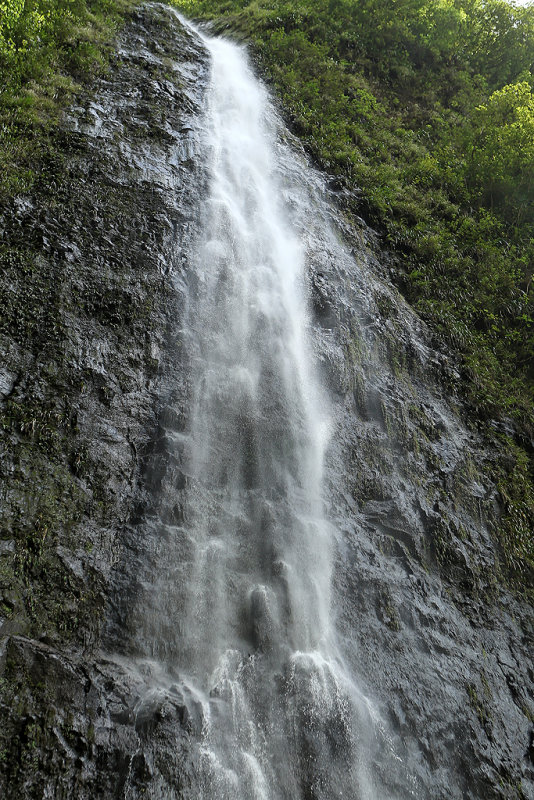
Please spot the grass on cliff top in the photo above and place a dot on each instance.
(47, 49)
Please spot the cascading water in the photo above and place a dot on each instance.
(240, 612)
(261, 560)
(271, 486)
(256, 633)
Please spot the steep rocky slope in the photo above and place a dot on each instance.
(91, 261)
(94, 385)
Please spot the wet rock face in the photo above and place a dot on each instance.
(92, 268)
(92, 390)
(423, 611)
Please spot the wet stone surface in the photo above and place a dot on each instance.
(94, 263)
(93, 397)
(423, 614)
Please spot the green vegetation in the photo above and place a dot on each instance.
(427, 107)
(47, 47)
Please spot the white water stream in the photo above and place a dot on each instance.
(242, 608)
(282, 719)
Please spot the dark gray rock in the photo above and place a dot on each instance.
(95, 273)
(424, 612)
(94, 396)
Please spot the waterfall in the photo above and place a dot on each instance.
(256, 628)
(239, 620)
(261, 564)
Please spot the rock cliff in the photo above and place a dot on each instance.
(93, 382)
(92, 263)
